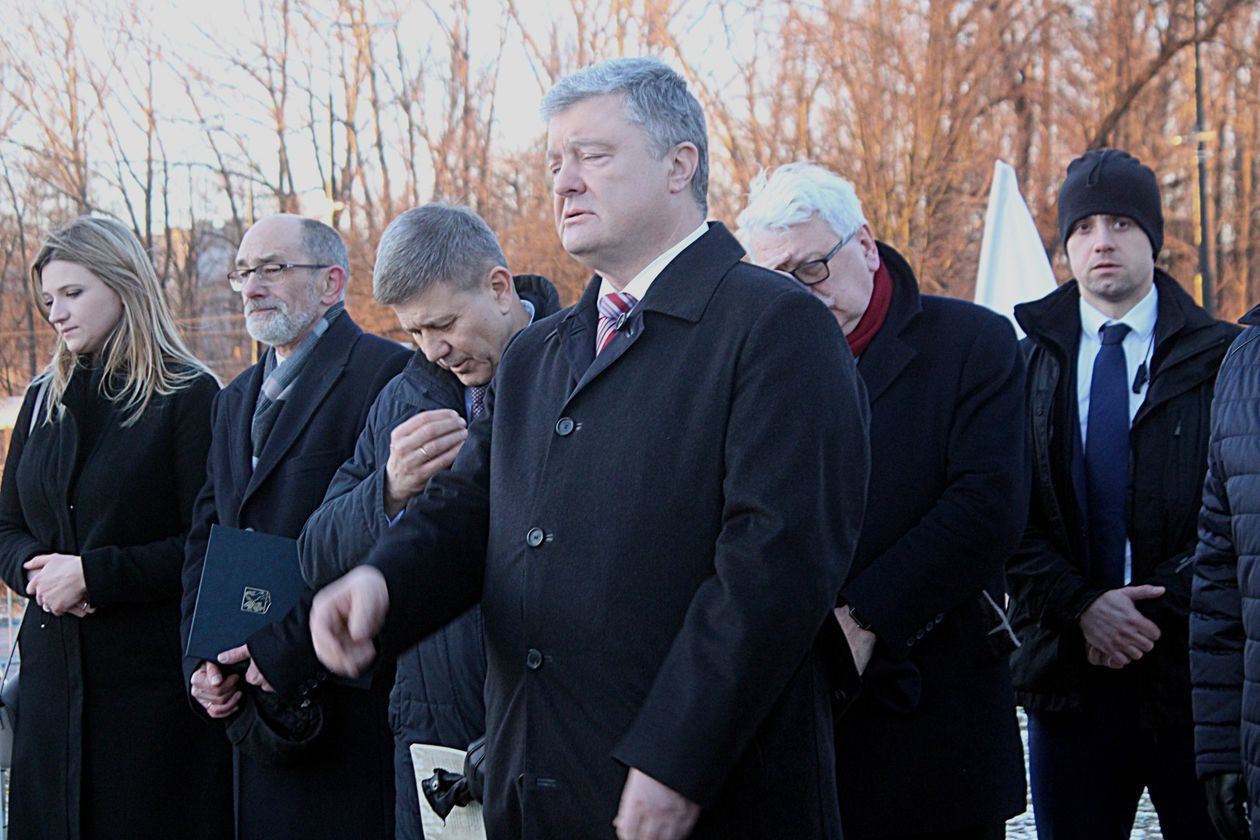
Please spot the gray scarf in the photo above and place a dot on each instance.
(280, 379)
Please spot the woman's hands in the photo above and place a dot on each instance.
(57, 584)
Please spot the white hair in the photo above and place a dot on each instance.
(793, 194)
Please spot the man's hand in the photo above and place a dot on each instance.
(253, 676)
(57, 584)
(345, 616)
(1112, 625)
(651, 811)
(217, 694)
(420, 447)
(861, 642)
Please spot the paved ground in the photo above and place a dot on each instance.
(1145, 827)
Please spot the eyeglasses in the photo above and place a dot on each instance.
(815, 271)
(264, 274)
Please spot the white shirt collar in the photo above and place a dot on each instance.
(1140, 319)
(643, 280)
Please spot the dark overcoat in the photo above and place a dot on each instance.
(932, 744)
(657, 536)
(1051, 578)
(346, 788)
(107, 746)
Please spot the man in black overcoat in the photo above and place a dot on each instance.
(931, 746)
(280, 431)
(657, 516)
(1121, 370)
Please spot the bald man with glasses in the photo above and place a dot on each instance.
(319, 766)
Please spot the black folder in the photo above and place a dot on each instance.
(248, 581)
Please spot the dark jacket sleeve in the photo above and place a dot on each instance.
(153, 571)
(966, 537)
(341, 531)
(1039, 574)
(438, 548)
(797, 461)
(1217, 637)
(17, 545)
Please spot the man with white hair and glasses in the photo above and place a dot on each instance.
(931, 747)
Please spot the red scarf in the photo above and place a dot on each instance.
(876, 311)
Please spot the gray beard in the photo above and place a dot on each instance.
(282, 327)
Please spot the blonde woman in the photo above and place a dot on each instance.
(106, 459)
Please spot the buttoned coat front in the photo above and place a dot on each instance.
(105, 746)
(946, 506)
(657, 536)
(346, 788)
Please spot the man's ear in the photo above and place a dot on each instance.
(869, 249)
(684, 160)
(334, 285)
(501, 287)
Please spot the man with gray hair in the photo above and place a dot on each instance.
(319, 765)
(441, 270)
(945, 508)
(656, 520)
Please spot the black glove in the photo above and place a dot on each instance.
(473, 767)
(1227, 805)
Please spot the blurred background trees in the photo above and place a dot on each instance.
(188, 120)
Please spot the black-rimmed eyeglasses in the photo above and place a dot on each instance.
(815, 271)
(264, 274)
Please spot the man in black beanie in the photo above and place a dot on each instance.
(1121, 369)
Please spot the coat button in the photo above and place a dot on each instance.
(940, 617)
(565, 426)
(533, 659)
(918, 634)
(534, 537)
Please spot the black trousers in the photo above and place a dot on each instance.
(1088, 771)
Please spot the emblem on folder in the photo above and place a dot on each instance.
(256, 601)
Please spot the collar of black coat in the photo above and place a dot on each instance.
(685, 286)
(1252, 318)
(906, 300)
(888, 355)
(327, 359)
(1054, 321)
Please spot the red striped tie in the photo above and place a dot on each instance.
(613, 309)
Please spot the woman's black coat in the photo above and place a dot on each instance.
(106, 744)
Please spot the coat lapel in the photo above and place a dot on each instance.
(682, 290)
(323, 369)
(241, 409)
(888, 355)
(576, 332)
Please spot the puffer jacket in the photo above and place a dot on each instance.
(438, 689)
(1225, 604)
(1049, 576)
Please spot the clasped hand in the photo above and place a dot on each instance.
(1116, 634)
(56, 583)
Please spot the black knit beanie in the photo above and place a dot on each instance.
(1115, 183)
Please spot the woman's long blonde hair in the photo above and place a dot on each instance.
(143, 355)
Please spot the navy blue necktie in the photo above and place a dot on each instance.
(1107, 457)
